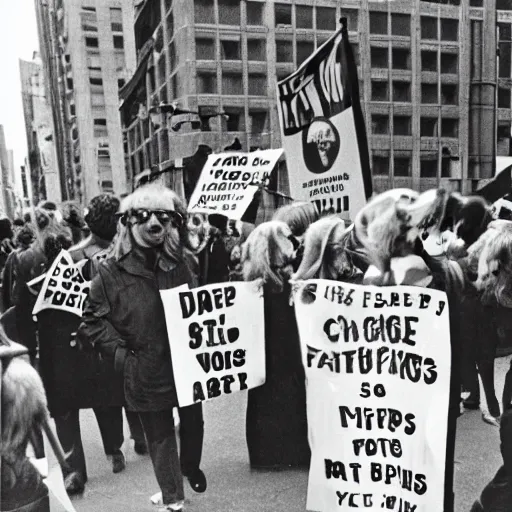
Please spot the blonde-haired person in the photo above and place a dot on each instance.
(124, 319)
(276, 423)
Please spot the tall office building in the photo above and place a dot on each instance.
(434, 96)
(87, 47)
(7, 192)
(42, 156)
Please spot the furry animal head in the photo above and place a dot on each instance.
(269, 254)
(23, 405)
(389, 226)
(299, 216)
(490, 261)
(325, 252)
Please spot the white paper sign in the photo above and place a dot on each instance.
(217, 339)
(64, 286)
(229, 181)
(377, 365)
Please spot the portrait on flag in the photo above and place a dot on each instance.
(323, 130)
(217, 339)
(229, 181)
(377, 362)
(64, 286)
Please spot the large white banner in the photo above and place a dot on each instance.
(377, 365)
(217, 339)
(229, 181)
(64, 286)
(324, 165)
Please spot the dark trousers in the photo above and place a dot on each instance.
(110, 423)
(136, 430)
(162, 446)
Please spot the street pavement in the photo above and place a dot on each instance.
(233, 487)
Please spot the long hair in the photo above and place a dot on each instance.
(268, 254)
(153, 196)
(299, 216)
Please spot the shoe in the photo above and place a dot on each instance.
(140, 447)
(471, 403)
(197, 481)
(74, 484)
(118, 462)
(491, 420)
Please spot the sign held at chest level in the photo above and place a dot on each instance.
(205, 301)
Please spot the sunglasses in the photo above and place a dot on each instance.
(142, 216)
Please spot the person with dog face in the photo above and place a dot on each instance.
(124, 318)
(276, 421)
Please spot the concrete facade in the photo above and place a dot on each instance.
(435, 97)
(94, 43)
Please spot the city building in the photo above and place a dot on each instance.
(42, 156)
(436, 99)
(8, 202)
(87, 47)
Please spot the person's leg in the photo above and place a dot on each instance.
(136, 432)
(486, 370)
(163, 450)
(110, 423)
(68, 432)
(507, 389)
(191, 445)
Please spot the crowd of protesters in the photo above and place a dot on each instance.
(117, 355)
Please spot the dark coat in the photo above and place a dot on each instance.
(124, 318)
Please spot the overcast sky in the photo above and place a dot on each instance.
(18, 39)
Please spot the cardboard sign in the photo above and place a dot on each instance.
(64, 286)
(217, 339)
(377, 363)
(229, 181)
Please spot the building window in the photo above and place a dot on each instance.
(449, 94)
(380, 165)
(325, 18)
(205, 48)
(257, 49)
(380, 124)
(72, 110)
(504, 5)
(69, 84)
(258, 121)
(379, 57)
(428, 167)
(236, 120)
(95, 80)
(304, 51)
(229, 12)
(203, 12)
(284, 51)
(503, 97)
(232, 84)
(429, 93)
(428, 27)
(283, 15)
(257, 84)
(401, 58)
(206, 84)
(304, 16)
(116, 19)
(120, 82)
(88, 8)
(450, 128)
(476, 3)
(352, 18)
(401, 125)
(378, 23)
(100, 128)
(89, 21)
(230, 49)
(401, 91)
(428, 60)
(93, 61)
(254, 12)
(449, 29)
(428, 127)
(118, 42)
(380, 91)
(402, 166)
(449, 63)
(91, 42)
(119, 59)
(504, 60)
(97, 99)
(400, 25)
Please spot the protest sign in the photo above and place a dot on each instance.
(64, 286)
(323, 130)
(229, 181)
(217, 339)
(377, 363)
